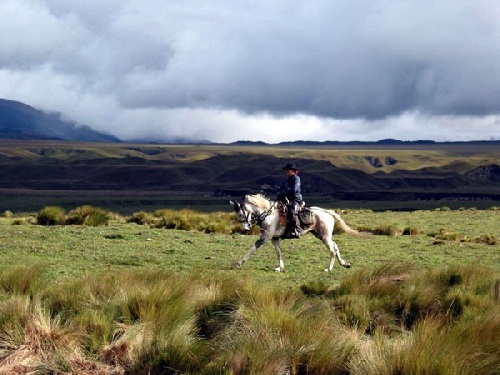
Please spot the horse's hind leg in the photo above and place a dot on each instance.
(334, 252)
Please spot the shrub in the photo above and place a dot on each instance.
(51, 215)
(88, 215)
(97, 218)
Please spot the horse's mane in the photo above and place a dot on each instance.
(258, 200)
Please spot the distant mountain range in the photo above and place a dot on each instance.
(382, 142)
(21, 121)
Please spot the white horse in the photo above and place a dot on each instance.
(256, 209)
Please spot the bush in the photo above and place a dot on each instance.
(97, 218)
(88, 215)
(51, 215)
(84, 215)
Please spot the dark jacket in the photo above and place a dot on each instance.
(292, 189)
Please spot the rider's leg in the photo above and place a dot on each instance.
(289, 221)
(296, 230)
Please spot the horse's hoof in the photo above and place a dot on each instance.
(237, 265)
(347, 265)
(278, 269)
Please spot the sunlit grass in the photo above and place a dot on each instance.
(393, 319)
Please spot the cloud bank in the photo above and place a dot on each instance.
(259, 70)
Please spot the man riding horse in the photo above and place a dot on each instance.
(292, 198)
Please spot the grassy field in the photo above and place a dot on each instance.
(129, 298)
(68, 250)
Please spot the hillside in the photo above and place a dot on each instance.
(21, 121)
(426, 172)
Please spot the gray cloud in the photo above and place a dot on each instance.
(345, 60)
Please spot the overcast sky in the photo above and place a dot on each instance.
(273, 71)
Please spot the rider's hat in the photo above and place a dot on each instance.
(290, 166)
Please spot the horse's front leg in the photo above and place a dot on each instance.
(281, 266)
(252, 250)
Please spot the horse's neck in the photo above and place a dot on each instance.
(257, 210)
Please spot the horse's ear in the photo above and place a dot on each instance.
(236, 205)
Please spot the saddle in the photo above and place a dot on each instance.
(305, 215)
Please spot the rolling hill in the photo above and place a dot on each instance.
(362, 173)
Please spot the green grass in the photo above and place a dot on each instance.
(143, 299)
(70, 249)
(388, 320)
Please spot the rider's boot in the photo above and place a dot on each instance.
(296, 230)
(288, 230)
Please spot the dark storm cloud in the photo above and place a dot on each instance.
(342, 59)
(334, 59)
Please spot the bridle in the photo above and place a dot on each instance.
(251, 218)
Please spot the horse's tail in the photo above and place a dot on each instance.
(346, 228)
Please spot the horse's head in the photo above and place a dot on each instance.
(244, 214)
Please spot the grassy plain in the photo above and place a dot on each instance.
(421, 297)
(70, 250)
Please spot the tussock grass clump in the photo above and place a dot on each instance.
(51, 215)
(142, 218)
(88, 215)
(8, 214)
(486, 238)
(84, 215)
(393, 297)
(314, 288)
(20, 280)
(19, 221)
(382, 230)
(411, 231)
(279, 332)
(442, 236)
